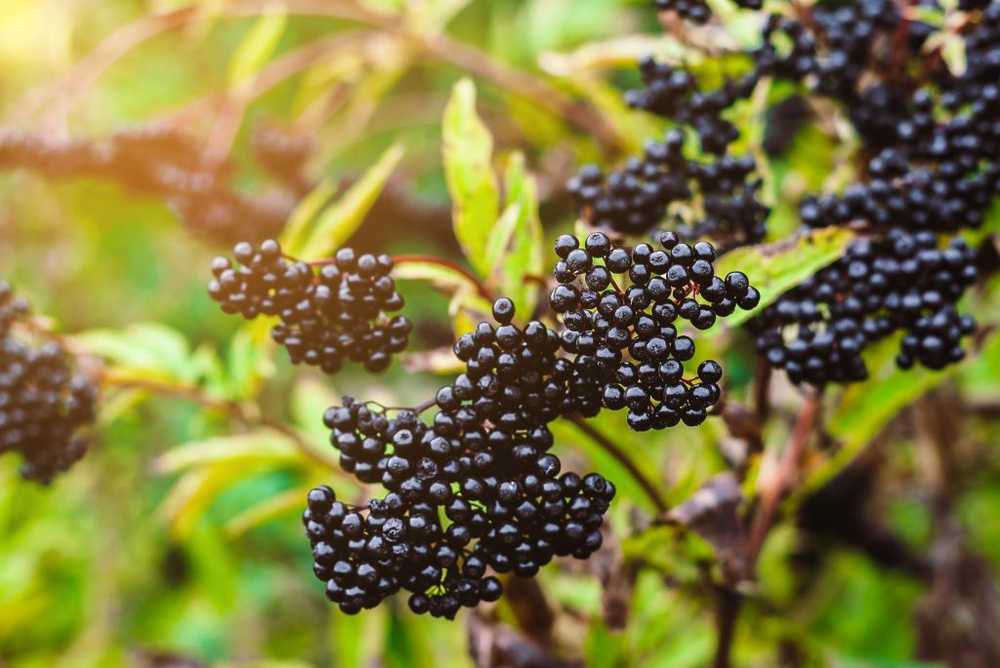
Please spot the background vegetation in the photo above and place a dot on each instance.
(176, 542)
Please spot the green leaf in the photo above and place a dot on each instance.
(775, 268)
(257, 47)
(441, 276)
(468, 151)
(257, 447)
(341, 219)
(514, 248)
(147, 350)
(249, 359)
(269, 509)
(294, 237)
(568, 434)
(866, 408)
(191, 496)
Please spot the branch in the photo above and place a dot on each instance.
(607, 445)
(789, 467)
(465, 56)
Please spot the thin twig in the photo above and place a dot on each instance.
(481, 288)
(727, 613)
(465, 56)
(612, 449)
(232, 409)
(762, 390)
(791, 460)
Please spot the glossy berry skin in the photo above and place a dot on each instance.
(329, 314)
(622, 332)
(904, 281)
(475, 491)
(45, 407)
(634, 198)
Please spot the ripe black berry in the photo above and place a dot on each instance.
(623, 340)
(44, 405)
(329, 314)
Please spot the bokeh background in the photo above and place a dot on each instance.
(153, 553)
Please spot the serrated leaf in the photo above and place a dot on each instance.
(294, 237)
(468, 153)
(257, 447)
(776, 268)
(310, 398)
(257, 47)
(342, 218)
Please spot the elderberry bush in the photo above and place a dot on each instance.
(329, 313)
(620, 308)
(44, 405)
(904, 281)
(475, 490)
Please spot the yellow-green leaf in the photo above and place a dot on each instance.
(257, 447)
(273, 508)
(257, 47)
(196, 490)
(295, 234)
(514, 248)
(342, 218)
(775, 268)
(439, 275)
(468, 152)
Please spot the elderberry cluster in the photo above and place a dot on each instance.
(43, 404)
(621, 307)
(903, 281)
(475, 489)
(697, 11)
(329, 314)
(637, 197)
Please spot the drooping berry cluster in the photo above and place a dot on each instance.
(44, 406)
(162, 162)
(695, 11)
(673, 93)
(621, 308)
(712, 198)
(330, 313)
(476, 489)
(903, 281)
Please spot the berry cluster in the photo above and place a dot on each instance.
(817, 331)
(620, 308)
(636, 198)
(697, 11)
(673, 93)
(475, 489)
(330, 313)
(43, 404)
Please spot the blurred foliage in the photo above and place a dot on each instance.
(176, 542)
